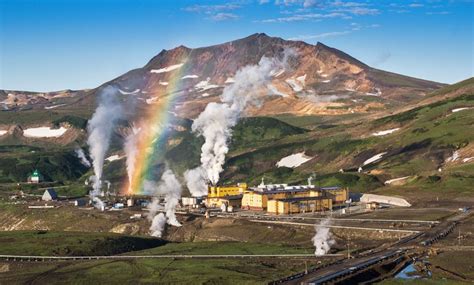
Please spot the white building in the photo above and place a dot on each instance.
(49, 195)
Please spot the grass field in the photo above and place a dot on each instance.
(153, 271)
(143, 271)
(71, 243)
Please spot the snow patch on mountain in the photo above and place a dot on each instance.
(114, 157)
(374, 158)
(276, 73)
(274, 91)
(294, 160)
(44, 132)
(294, 85)
(301, 79)
(163, 83)
(54, 106)
(205, 85)
(396, 180)
(377, 93)
(229, 80)
(454, 157)
(386, 132)
(191, 76)
(151, 100)
(460, 109)
(129, 93)
(167, 69)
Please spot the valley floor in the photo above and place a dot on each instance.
(43, 232)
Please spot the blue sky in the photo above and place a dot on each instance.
(50, 45)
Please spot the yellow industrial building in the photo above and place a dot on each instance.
(284, 199)
(277, 198)
(228, 195)
(299, 205)
(258, 200)
(339, 195)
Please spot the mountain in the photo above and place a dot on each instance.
(321, 80)
(345, 115)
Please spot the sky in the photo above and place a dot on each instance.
(48, 45)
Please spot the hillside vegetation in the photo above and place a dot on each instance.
(71, 243)
(422, 143)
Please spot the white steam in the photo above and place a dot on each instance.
(158, 225)
(323, 240)
(215, 124)
(100, 128)
(216, 121)
(170, 188)
(131, 152)
(196, 181)
(98, 203)
(82, 156)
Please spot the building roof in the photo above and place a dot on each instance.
(381, 199)
(51, 193)
(288, 191)
(298, 199)
(284, 188)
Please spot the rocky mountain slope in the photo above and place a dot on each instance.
(411, 132)
(320, 80)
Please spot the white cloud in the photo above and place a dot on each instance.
(309, 3)
(223, 17)
(211, 8)
(438, 13)
(215, 12)
(362, 11)
(320, 36)
(304, 17)
(348, 4)
(287, 2)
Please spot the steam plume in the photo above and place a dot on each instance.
(170, 187)
(82, 156)
(98, 203)
(100, 129)
(322, 240)
(153, 208)
(216, 121)
(196, 181)
(131, 152)
(158, 225)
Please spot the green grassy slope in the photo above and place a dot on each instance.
(71, 243)
(164, 271)
(428, 134)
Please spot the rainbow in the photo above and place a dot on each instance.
(154, 129)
